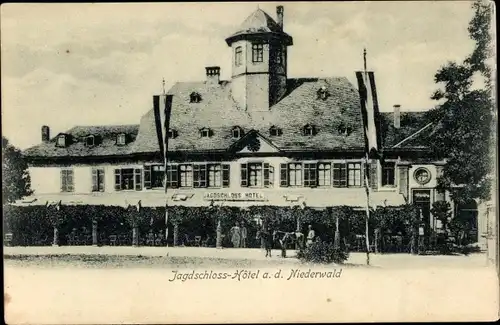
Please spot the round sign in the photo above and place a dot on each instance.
(422, 176)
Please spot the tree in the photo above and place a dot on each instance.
(466, 115)
(15, 180)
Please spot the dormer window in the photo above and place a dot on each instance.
(309, 130)
(194, 97)
(323, 93)
(237, 132)
(205, 132)
(89, 141)
(344, 130)
(172, 133)
(61, 141)
(121, 139)
(274, 131)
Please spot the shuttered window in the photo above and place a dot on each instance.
(295, 174)
(283, 175)
(199, 175)
(97, 180)
(354, 174)
(138, 179)
(339, 175)
(268, 175)
(388, 174)
(310, 174)
(147, 176)
(172, 176)
(257, 175)
(67, 184)
(185, 175)
(225, 175)
(214, 176)
(324, 174)
(128, 179)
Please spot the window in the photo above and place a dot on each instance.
(97, 180)
(186, 175)
(238, 56)
(324, 174)
(157, 176)
(388, 174)
(128, 179)
(279, 55)
(339, 175)
(89, 141)
(275, 131)
(172, 133)
(257, 175)
(323, 93)
(196, 175)
(61, 141)
(309, 130)
(237, 132)
(121, 139)
(422, 176)
(205, 132)
(214, 176)
(172, 176)
(354, 172)
(295, 174)
(257, 53)
(194, 97)
(67, 184)
(310, 174)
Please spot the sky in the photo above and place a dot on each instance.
(97, 64)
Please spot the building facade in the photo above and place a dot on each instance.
(261, 138)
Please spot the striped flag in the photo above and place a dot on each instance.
(162, 106)
(370, 112)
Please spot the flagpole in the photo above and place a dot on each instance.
(367, 190)
(367, 185)
(165, 162)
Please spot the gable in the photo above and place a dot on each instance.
(253, 142)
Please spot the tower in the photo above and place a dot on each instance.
(259, 67)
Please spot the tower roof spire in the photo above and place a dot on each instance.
(364, 59)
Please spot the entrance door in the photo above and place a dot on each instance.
(422, 200)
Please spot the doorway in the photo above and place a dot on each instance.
(422, 200)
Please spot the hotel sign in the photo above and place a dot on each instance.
(234, 196)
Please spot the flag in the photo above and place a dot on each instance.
(370, 112)
(162, 105)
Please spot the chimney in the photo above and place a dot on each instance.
(279, 13)
(213, 75)
(397, 116)
(45, 133)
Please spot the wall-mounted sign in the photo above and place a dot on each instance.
(234, 196)
(422, 175)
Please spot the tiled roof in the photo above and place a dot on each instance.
(300, 106)
(259, 22)
(105, 142)
(414, 131)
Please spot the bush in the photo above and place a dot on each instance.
(323, 252)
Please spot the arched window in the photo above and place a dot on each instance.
(237, 132)
(238, 56)
(194, 97)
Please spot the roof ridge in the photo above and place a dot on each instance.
(412, 136)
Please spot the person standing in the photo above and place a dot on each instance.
(310, 236)
(243, 235)
(236, 235)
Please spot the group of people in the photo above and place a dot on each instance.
(239, 235)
